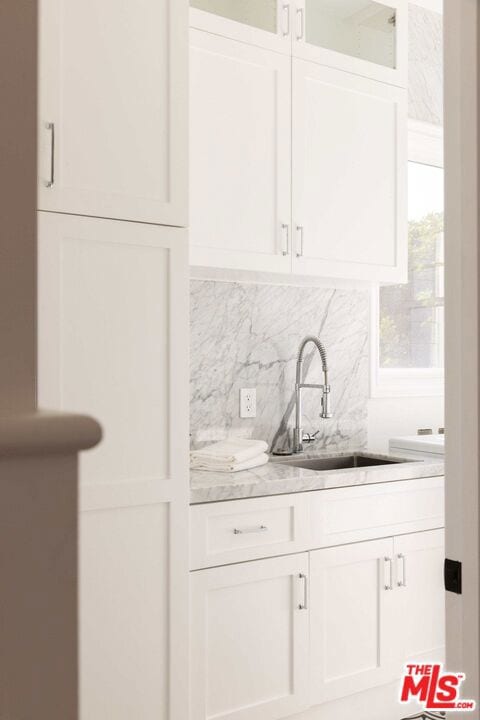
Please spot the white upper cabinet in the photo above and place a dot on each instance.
(112, 301)
(364, 37)
(360, 36)
(266, 23)
(298, 137)
(113, 122)
(240, 146)
(349, 175)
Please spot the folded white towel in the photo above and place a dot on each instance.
(230, 467)
(231, 451)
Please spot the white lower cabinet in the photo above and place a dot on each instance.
(419, 561)
(352, 619)
(250, 630)
(275, 636)
(374, 607)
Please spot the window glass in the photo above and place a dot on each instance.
(411, 333)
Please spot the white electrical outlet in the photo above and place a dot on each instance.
(248, 403)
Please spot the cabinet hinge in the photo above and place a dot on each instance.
(452, 574)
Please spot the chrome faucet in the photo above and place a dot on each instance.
(299, 385)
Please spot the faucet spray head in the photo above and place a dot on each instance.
(326, 412)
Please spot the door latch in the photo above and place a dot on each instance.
(452, 573)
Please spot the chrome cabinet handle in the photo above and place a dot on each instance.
(245, 531)
(304, 605)
(286, 14)
(286, 247)
(387, 562)
(51, 127)
(403, 560)
(301, 15)
(299, 252)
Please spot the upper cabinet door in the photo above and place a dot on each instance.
(266, 23)
(360, 36)
(349, 175)
(112, 307)
(240, 155)
(113, 122)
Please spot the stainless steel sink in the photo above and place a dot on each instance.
(339, 463)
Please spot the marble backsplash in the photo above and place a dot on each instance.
(425, 65)
(247, 336)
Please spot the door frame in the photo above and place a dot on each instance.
(461, 36)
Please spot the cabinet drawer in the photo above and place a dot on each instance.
(239, 530)
(373, 511)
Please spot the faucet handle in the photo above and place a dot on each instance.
(310, 437)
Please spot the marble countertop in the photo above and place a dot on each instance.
(278, 477)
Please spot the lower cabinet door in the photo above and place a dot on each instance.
(352, 618)
(249, 640)
(419, 561)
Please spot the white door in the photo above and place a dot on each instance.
(113, 342)
(349, 175)
(249, 640)
(240, 139)
(363, 37)
(352, 618)
(419, 579)
(113, 125)
(462, 365)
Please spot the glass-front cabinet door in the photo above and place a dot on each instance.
(364, 37)
(265, 23)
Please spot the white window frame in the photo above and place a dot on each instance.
(425, 145)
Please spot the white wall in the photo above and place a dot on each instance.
(390, 417)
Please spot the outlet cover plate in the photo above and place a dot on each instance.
(248, 403)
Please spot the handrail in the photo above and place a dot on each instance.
(45, 432)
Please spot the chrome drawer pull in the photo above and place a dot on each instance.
(388, 585)
(301, 16)
(261, 528)
(403, 581)
(304, 605)
(299, 252)
(286, 12)
(286, 247)
(51, 127)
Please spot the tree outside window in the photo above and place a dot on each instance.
(411, 316)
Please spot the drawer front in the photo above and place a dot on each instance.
(239, 530)
(373, 511)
